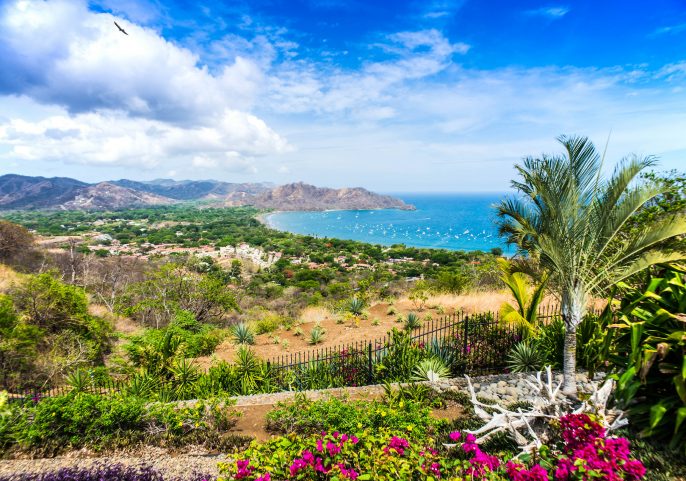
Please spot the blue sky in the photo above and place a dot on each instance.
(393, 96)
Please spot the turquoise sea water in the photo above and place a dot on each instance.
(443, 221)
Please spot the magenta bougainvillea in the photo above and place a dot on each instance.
(584, 452)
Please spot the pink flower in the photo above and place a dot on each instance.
(634, 470)
(243, 469)
(264, 477)
(398, 445)
(455, 436)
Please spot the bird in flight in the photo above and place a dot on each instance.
(120, 29)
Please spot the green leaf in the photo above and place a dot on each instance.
(657, 412)
(680, 417)
(680, 385)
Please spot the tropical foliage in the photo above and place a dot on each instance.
(572, 220)
(527, 299)
(651, 356)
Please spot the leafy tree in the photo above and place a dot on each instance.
(14, 239)
(452, 281)
(18, 345)
(571, 218)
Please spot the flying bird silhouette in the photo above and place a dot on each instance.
(120, 29)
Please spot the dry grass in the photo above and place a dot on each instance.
(315, 314)
(8, 278)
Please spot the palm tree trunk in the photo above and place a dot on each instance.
(573, 310)
(569, 370)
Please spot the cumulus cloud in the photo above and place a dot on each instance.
(413, 55)
(82, 62)
(114, 139)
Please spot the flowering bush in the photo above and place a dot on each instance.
(583, 453)
(588, 454)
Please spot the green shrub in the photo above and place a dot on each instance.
(396, 361)
(74, 421)
(305, 417)
(268, 324)
(550, 342)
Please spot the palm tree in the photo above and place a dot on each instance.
(525, 313)
(570, 217)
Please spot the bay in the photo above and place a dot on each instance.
(460, 221)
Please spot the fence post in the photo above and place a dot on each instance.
(465, 341)
(370, 373)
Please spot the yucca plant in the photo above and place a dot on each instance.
(572, 220)
(243, 334)
(142, 385)
(248, 369)
(524, 357)
(431, 369)
(355, 306)
(412, 322)
(185, 376)
(317, 335)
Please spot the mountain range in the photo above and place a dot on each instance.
(18, 192)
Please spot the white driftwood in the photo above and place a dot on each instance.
(531, 428)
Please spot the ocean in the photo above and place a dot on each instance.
(441, 221)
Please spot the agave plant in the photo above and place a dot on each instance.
(412, 322)
(355, 306)
(444, 351)
(243, 334)
(431, 369)
(79, 381)
(524, 357)
(317, 335)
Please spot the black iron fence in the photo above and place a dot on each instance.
(475, 344)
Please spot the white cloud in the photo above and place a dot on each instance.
(82, 62)
(550, 12)
(307, 87)
(109, 138)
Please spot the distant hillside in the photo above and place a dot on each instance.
(21, 192)
(300, 196)
(107, 196)
(192, 189)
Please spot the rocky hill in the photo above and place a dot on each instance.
(300, 196)
(21, 192)
(108, 196)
